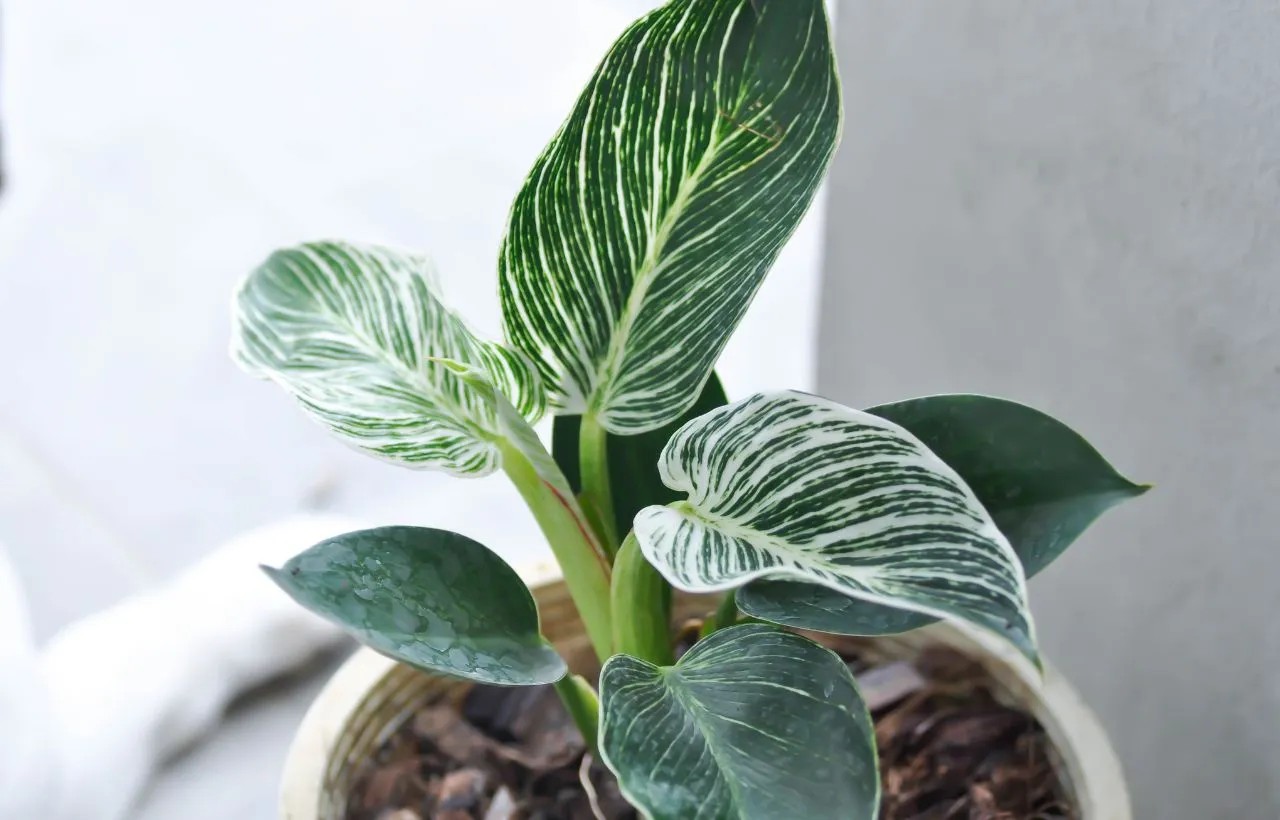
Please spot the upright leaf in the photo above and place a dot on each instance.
(430, 598)
(633, 460)
(751, 724)
(1041, 481)
(792, 486)
(649, 222)
(352, 333)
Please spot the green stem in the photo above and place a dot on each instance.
(583, 706)
(726, 615)
(583, 563)
(597, 495)
(641, 607)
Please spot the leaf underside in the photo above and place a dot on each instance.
(752, 723)
(1042, 483)
(650, 220)
(432, 599)
(352, 333)
(792, 486)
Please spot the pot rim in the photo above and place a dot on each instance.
(1088, 760)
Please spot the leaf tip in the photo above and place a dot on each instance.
(282, 576)
(276, 574)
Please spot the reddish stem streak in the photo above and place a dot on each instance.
(582, 528)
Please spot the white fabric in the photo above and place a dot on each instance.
(88, 718)
(26, 760)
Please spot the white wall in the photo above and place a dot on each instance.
(156, 151)
(1078, 205)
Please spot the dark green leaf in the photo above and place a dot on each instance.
(430, 598)
(1041, 481)
(633, 460)
(752, 724)
(810, 606)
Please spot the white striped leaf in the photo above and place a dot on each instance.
(1042, 482)
(753, 723)
(584, 562)
(353, 333)
(649, 222)
(792, 486)
(517, 432)
(634, 482)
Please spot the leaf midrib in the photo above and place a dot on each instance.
(695, 710)
(755, 538)
(415, 379)
(652, 265)
(645, 276)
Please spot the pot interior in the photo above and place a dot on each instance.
(403, 691)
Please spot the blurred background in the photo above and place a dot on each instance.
(1077, 207)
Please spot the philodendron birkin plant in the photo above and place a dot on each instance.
(632, 252)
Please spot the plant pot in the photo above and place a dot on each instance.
(371, 696)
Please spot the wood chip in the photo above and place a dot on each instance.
(460, 793)
(948, 750)
(454, 736)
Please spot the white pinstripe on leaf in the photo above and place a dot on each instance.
(753, 723)
(649, 222)
(792, 486)
(353, 333)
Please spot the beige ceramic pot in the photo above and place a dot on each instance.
(371, 696)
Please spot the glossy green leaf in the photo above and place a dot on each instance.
(753, 723)
(649, 222)
(633, 460)
(429, 598)
(810, 606)
(353, 334)
(792, 486)
(1041, 481)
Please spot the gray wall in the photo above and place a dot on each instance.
(1078, 206)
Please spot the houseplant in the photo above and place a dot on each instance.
(633, 249)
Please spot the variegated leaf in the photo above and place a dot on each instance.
(792, 486)
(518, 434)
(634, 482)
(353, 334)
(649, 222)
(753, 723)
(1042, 482)
(536, 475)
